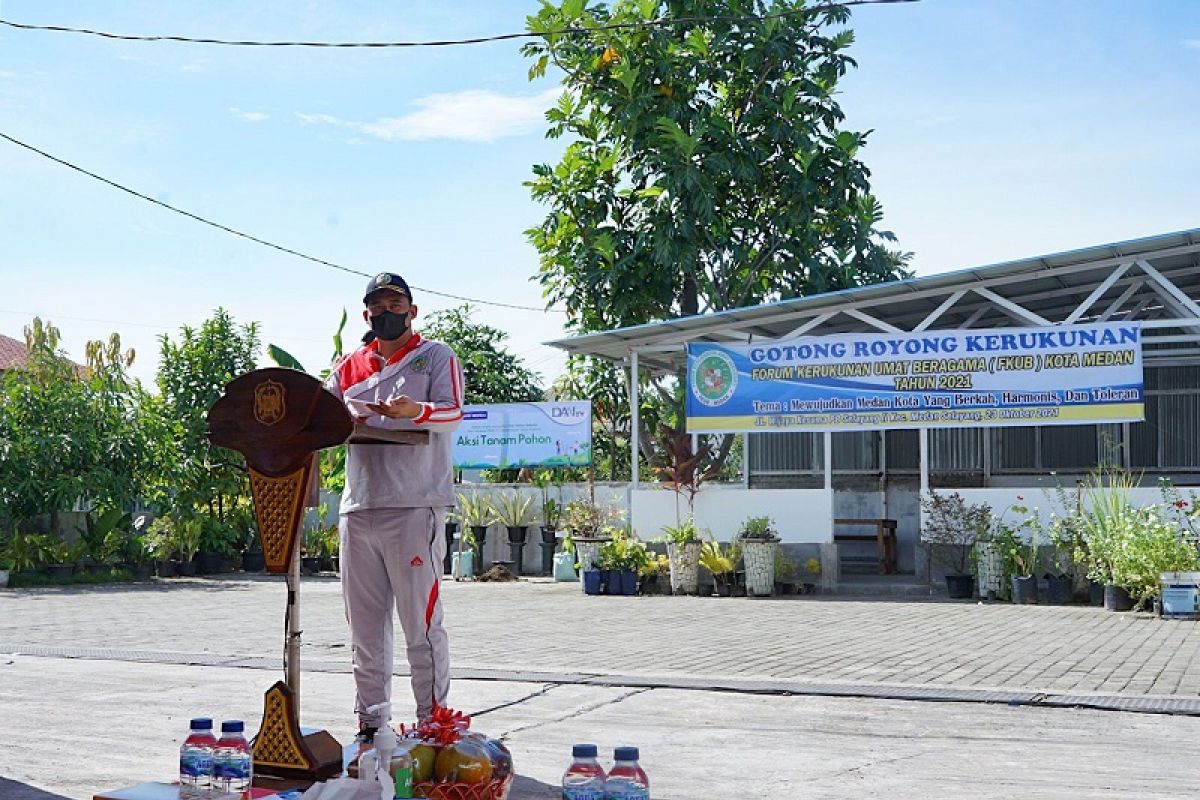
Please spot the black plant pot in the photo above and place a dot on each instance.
(1095, 593)
(207, 563)
(785, 587)
(549, 534)
(1116, 598)
(60, 571)
(187, 568)
(960, 587)
(254, 561)
(1058, 589)
(517, 534)
(310, 565)
(143, 571)
(724, 590)
(167, 569)
(1024, 590)
(335, 564)
(480, 532)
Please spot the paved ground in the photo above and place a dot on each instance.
(103, 681)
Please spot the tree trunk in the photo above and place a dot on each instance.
(689, 297)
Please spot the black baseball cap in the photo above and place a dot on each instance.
(390, 281)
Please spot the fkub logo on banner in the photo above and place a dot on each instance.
(714, 379)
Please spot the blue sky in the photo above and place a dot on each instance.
(1001, 129)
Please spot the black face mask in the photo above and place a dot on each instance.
(389, 326)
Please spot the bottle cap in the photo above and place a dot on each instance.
(232, 726)
(625, 754)
(584, 751)
(202, 723)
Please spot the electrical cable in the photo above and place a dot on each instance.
(652, 23)
(256, 239)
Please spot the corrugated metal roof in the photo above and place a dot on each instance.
(1050, 285)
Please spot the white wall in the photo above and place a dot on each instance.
(800, 515)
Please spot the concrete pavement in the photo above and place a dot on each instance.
(106, 679)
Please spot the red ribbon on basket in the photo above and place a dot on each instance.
(444, 726)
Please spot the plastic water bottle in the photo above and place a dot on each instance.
(626, 780)
(584, 779)
(196, 761)
(231, 759)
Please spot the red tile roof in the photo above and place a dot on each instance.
(12, 352)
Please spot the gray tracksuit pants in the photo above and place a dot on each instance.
(394, 555)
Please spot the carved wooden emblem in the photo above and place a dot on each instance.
(270, 402)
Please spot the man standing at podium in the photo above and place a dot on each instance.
(394, 505)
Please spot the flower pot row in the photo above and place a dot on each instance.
(611, 582)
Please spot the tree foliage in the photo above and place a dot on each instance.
(192, 374)
(70, 435)
(707, 168)
(492, 374)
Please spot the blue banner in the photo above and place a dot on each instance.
(1070, 374)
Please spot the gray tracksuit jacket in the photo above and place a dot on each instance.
(392, 476)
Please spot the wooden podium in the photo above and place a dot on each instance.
(279, 419)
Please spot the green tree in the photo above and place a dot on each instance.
(492, 374)
(69, 434)
(708, 169)
(192, 373)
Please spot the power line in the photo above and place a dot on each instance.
(256, 239)
(652, 23)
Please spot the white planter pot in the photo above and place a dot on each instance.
(587, 553)
(3, 578)
(759, 558)
(989, 570)
(685, 567)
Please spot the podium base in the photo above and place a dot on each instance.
(286, 756)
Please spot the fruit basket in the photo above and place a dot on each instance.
(488, 790)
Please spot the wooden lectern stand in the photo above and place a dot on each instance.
(278, 419)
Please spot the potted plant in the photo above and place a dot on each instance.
(160, 541)
(511, 510)
(312, 548)
(1107, 523)
(759, 543)
(133, 552)
(187, 535)
(683, 552)
(25, 552)
(622, 557)
(552, 508)
(950, 527)
(720, 564)
(61, 558)
(1022, 558)
(588, 528)
(476, 513)
(785, 574)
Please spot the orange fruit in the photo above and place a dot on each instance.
(465, 761)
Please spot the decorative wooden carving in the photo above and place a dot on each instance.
(282, 750)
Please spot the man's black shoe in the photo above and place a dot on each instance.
(366, 734)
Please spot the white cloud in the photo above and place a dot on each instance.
(472, 116)
(248, 116)
(1192, 43)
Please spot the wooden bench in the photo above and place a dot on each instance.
(884, 538)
